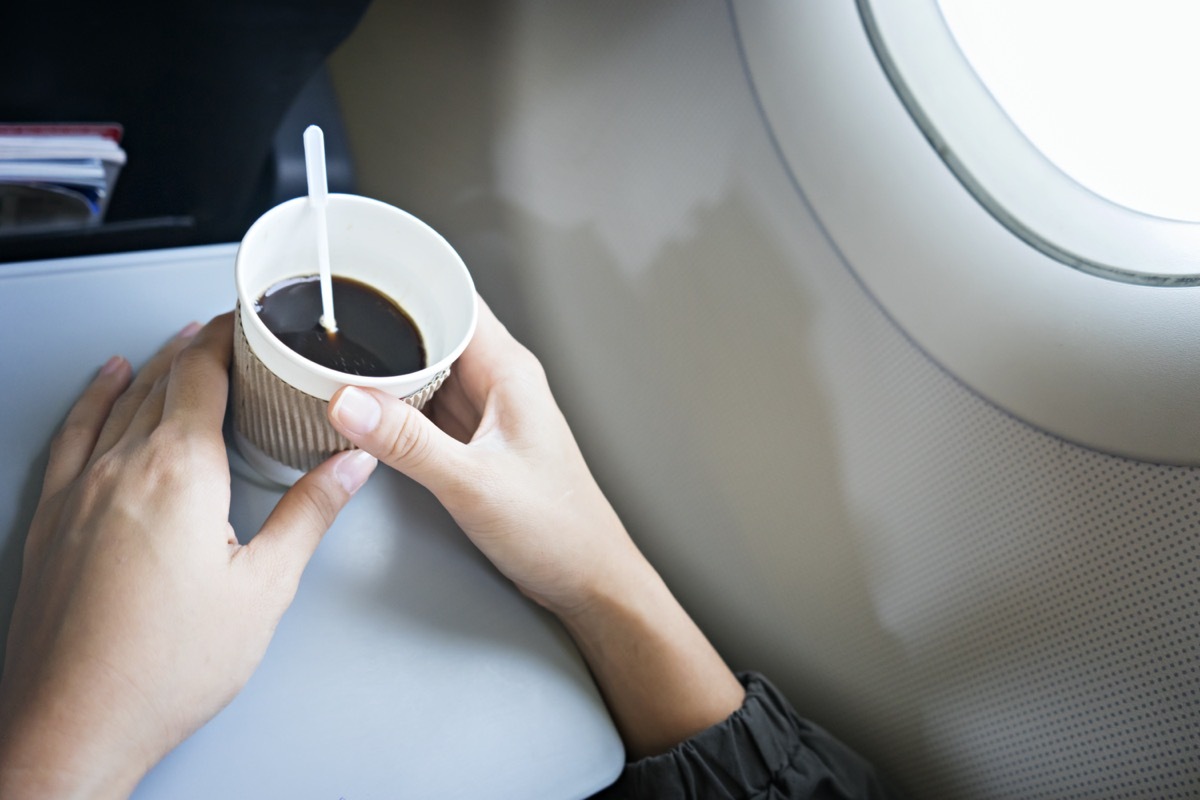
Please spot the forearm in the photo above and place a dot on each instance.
(661, 678)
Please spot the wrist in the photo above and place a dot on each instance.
(619, 575)
(49, 752)
(661, 678)
(46, 770)
(47, 776)
(624, 594)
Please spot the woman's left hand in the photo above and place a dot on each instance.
(139, 615)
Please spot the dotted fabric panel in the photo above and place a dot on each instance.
(1046, 597)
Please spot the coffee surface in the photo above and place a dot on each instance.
(375, 337)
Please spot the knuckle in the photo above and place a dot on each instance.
(98, 481)
(186, 358)
(408, 442)
(317, 505)
(527, 385)
(160, 383)
(529, 366)
(527, 373)
(128, 402)
(523, 379)
(73, 435)
(167, 458)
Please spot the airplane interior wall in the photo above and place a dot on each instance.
(982, 609)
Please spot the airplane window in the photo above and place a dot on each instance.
(1102, 89)
(1015, 184)
(1068, 120)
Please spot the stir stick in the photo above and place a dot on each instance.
(318, 195)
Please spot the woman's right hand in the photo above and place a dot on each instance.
(498, 454)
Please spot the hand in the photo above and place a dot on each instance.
(139, 615)
(498, 454)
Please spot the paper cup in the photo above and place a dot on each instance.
(280, 398)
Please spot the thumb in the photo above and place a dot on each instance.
(292, 532)
(398, 435)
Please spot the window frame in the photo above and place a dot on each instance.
(1006, 173)
(1056, 332)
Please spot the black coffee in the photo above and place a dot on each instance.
(374, 336)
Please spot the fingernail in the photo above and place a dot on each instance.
(357, 411)
(353, 469)
(190, 330)
(112, 365)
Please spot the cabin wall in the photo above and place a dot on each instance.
(981, 608)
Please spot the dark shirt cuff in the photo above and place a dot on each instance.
(763, 751)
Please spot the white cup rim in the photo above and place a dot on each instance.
(309, 374)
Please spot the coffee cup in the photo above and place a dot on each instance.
(279, 397)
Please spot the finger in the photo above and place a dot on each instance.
(399, 436)
(129, 403)
(198, 389)
(189, 379)
(148, 414)
(292, 532)
(452, 412)
(492, 356)
(73, 445)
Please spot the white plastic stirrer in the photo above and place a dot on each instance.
(318, 195)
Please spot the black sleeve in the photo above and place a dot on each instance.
(763, 751)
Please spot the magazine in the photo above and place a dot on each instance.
(57, 175)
